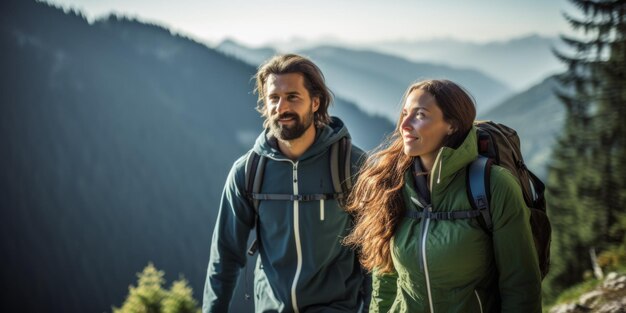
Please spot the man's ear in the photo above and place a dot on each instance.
(316, 103)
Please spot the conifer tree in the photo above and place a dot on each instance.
(149, 296)
(587, 180)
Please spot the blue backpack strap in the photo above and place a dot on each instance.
(478, 173)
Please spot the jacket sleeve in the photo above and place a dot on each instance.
(228, 246)
(384, 288)
(514, 250)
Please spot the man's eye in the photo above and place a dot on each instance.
(273, 98)
(292, 97)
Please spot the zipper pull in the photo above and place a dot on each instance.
(439, 175)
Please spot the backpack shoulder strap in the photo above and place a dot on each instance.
(340, 166)
(478, 173)
(255, 166)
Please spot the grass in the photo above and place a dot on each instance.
(572, 294)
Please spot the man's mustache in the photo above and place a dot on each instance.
(286, 115)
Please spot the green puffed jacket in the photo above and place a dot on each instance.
(456, 265)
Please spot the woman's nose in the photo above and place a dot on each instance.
(405, 124)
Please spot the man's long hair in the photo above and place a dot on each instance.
(314, 83)
(376, 199)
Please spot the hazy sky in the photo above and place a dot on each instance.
(255, 22)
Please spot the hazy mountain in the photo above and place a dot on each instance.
(253, 56)
(538, 116)
(116, 139)
(377, 81)
(519, 62)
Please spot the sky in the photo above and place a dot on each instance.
(257, 23)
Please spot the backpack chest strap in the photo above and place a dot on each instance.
(290, 197)
(454, 215)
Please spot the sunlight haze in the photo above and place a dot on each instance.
(256, 23)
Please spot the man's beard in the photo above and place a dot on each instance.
(285, 132)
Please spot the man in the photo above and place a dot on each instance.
(302, 265)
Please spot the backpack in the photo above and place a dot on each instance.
(340, 171)
(500, 145)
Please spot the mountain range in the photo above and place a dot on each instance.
(117, 136)
(519, 62)
(385, 76)
(538, 117)
(116, 139)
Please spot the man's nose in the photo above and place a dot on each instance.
(281, 105)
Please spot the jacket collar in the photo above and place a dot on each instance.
(448, 162)
(324, 137)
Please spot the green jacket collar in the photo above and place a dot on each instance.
(449, 161)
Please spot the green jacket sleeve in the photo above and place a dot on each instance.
(384, 288)
(228, 245)
(514, 250)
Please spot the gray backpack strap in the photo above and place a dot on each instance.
(334, 166)
(290, 197)
(255, 166)
(341, 167)
(478, 173)
(346, 152)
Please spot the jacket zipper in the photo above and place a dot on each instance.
(425, 233)
(480, 303)
(296, 234)
(424, 236)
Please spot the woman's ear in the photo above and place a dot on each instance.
(451, 130)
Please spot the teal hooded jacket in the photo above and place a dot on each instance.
(456, 265)
(302, 265)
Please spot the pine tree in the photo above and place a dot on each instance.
(149, 297)
(587, 180)
(180, 299)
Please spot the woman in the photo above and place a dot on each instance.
(440, 265)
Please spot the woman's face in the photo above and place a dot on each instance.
(422, 126)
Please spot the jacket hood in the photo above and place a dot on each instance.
(324, 137)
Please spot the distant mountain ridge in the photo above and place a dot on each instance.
(376, 81)
(117, 138)
(538, 116)
(519, 62)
